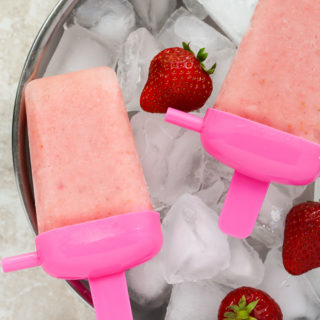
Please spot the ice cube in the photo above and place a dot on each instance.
(316, 190)
(171, 158)
(195, 300)
(294, 294)
(259, 247)
(183, 26)
(196, 8)
(293, 192)
(154, 139)
(89, 12)
(271, 220)
(143, 313)
(212, 195)
(154, 12)
(215, 183)
(314, 278)
(194, 247)
(213, 169)
(174, 163)
(147, 285)
(246, 267)
(80, 49)
(233, 16)
(133, 65)
(185, 166)
(113, 20)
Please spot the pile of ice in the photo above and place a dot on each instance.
(181, 26)
(113, 20)
(270, 225)
(133, 65)
(232, 16)
(198, 264)
(91, 40)
(154, 13)
(295, 295)
(195, 300)
(126, 37)
(196, 8)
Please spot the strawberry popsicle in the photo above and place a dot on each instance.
(275, 76)
(84, 161)
(94, 212)
(265, 123)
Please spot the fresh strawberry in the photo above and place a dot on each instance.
(177, 79)
(301, 245)
(249, 303)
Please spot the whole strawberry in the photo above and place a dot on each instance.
(301, 245)
(177, 79)
(249, 303)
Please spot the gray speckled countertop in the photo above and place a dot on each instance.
(29, 294)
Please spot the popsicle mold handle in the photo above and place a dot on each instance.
(242, 205)
(184, 120)
(99, 250)
(110, 297)
(20, 262)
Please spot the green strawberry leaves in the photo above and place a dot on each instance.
(241, 311)
(201, 57)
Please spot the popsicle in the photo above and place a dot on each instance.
(84, 161)
(265, 123)
(275, 76)
(94, 212)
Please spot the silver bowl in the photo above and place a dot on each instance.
(35, 66)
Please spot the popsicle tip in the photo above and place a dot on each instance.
(5, 265)
(20, 262)
(184, 119)
(170, 112)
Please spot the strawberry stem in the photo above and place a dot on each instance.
(201, 57)
(241, 311)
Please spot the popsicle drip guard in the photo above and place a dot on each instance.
(99, 250)
(259, 154)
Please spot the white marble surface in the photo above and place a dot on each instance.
(29, 294)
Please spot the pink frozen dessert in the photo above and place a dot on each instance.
(266, 121)
(94, 212)
(275, 77)
(84, 160)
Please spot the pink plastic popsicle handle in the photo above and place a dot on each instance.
(23, 261)
(242, 205)
(184, 120)
(111, 298)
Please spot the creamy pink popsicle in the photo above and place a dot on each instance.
(275, 77)
(84, 161)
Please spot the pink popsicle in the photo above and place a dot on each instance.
(84, 161)
(265, 123)
(275, 77)
(94, 212)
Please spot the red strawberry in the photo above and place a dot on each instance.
(177, 79)
(301, 245)
(249, 303)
